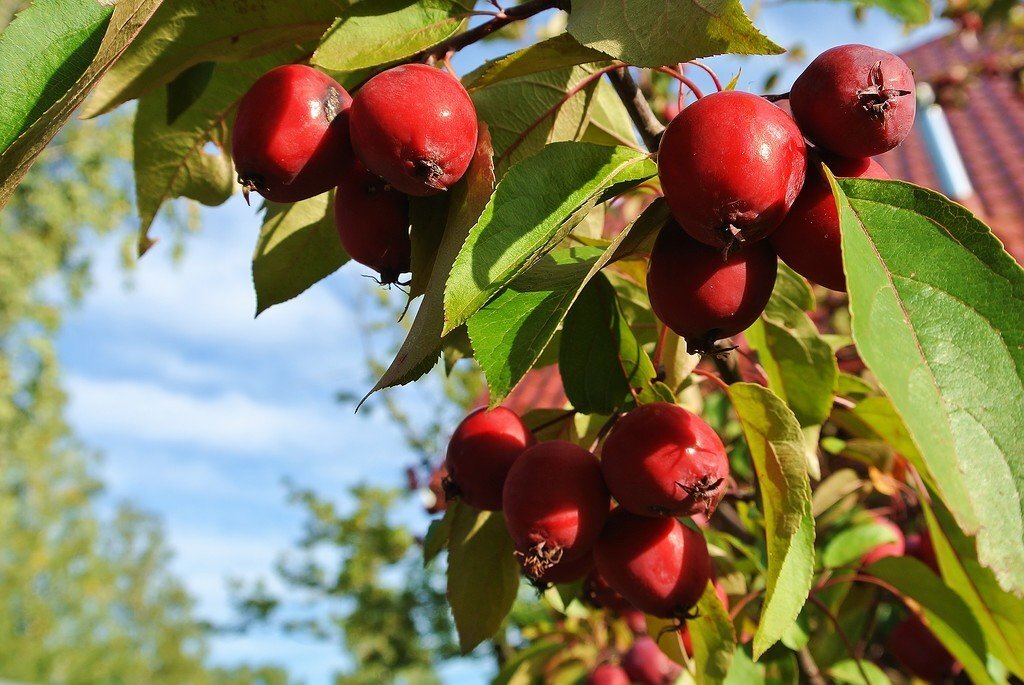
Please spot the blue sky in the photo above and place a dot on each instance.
(200, 410)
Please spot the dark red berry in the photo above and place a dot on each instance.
(290, 140)
(636, 620)
(566, 571)
(598, 593)
(919, 546)
(415, 126)
(373, 223)
(917, 649)
(855, 101)
(481, 452)
(661, 460)
(702, 297)
(895, 548)
(731, 165)
(658, 564)
(608, 674)
(555, 503)
(645, 663)
(809, 240)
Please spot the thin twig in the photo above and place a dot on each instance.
(638, 107)
(841, 633)
(810, 667)
(697, 92)
(502, 19)
(710, 72)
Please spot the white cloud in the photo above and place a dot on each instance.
(227, 422)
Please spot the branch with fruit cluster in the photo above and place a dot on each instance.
(871, 326)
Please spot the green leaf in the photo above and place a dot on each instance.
(423, 343)
(186, 88)
(609, 121)
(536, 205)
(554, 53)
(511, 332)
(172, 159)
(184, 33)
(1000, 615)
(713, 638)
(428, 216)
(528, 112)
(44, 51)
(374, 32)
(848, 673)
(744, 671)
(651, 33)
(298, 246)
(128, 18)
(483, 576)
(853, 543)
(800, 365)
(777, 451)
(946, 614)
(439, 533)
(936, 313)
(601, 362)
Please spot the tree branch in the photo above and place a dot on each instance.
(461, 40)
(638, 108)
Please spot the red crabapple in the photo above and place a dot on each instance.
(555, 503)
(895, 548)
(566, 572)
(662, 460)
(657, 564)
(373, 223)
(917, 649)
(731, 165)
(608, 674)
(809, 240)
(855, 101)
(415, 126)
(598, 593)
(480, 453)
(645, 663)
(290, 140)
(702, 297)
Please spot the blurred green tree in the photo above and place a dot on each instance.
(84, 597)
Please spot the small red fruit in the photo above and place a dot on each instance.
(597, 592)
(290, 141)
(645, 663)
(731, 165)
(809, 240)
(415, 126)
(917, 649)
(566, 571)
(662, 460)
(436, 487)
(855, 101)
(895, 548)
(919, 546)
(700, 296)
(657, 564)
(555, 503)
(636, 620)
(373, 223)
(608, 674)
(481, 452)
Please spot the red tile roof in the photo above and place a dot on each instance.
(987, 121)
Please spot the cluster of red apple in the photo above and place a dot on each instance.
(410, 130)
(659, 462)
(744, 187)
